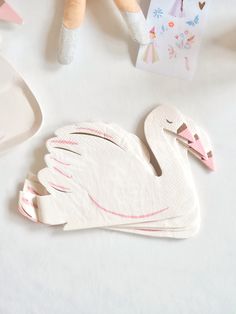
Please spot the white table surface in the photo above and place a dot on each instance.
(46, 271)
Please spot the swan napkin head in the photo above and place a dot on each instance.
(170, 119)
(195, 140)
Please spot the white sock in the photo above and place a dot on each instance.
(67, 45)
(136, 23)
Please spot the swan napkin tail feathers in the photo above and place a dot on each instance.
(100, 176)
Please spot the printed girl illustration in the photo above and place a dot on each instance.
(151, 55)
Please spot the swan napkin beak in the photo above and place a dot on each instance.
(198, 146)
(8, 14)
(208, 161)
(194, 142)
(185, 133)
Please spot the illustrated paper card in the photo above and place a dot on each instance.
(176, 28)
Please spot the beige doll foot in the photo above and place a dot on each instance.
(67, 45)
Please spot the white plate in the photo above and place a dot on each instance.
(20, 114)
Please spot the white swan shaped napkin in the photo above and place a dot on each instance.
(100, 176)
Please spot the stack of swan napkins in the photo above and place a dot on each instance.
(100, 176)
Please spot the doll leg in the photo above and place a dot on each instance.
(135, 20)
(73, 16)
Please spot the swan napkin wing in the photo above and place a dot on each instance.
(114, 181)
(28, 208)
(96, 164)
(114, 133)
(121, 137)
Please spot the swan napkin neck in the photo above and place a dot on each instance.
(164, 151)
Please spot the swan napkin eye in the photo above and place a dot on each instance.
(170, 122)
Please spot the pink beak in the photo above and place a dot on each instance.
(198, 147)
(209, 163)
(8, 14)
(184, 132)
